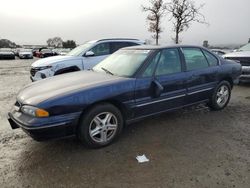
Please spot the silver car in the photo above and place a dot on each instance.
(242, 56)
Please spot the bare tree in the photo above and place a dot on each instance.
(69, 44)
(156, 11)
(56, 42)
(183, 13)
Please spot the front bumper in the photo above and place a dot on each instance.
(41, 129)
(7, 56)
(37, 78)
(245, 76)
(36, 74)
(26, 56)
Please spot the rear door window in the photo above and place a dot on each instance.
(212, 60)
(194, 59)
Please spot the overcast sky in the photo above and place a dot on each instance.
(33, 22)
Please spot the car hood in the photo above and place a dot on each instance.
(237, 54)
(51, 60)
(63, 85)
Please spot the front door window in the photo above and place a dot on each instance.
(101, 49)
(169, 62)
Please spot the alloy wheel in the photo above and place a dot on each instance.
(103, 127)
(222, 95)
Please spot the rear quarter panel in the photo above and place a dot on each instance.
(230, 69)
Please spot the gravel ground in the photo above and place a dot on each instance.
(193, 147)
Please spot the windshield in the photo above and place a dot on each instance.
(79, 50)
(123, 63)
(245, 48)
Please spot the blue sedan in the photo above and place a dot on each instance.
(131, 84)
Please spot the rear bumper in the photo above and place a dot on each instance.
(49, 131)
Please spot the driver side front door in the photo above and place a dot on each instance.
(162, 86)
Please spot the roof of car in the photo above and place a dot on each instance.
(115, 39)
(118, 39)
(154, 47)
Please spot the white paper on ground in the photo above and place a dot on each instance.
(142, 159)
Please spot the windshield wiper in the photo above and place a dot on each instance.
(107, 71)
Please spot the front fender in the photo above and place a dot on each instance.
(123, 92)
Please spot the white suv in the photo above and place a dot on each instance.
(83, 57)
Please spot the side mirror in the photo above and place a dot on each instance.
(89, 54)
(157, 89)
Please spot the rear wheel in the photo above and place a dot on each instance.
(100, 126)
(221, 96)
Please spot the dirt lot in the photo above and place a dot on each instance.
(189, 148)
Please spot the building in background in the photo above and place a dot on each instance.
(33, 46)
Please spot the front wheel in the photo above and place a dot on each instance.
(100, 126)
(221, 96)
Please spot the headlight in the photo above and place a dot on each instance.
(43, 68)
(35, 112)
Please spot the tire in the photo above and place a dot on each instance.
(94, 131)
(221, 96)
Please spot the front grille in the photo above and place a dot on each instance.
(244, 61)
(33, 71)
(17, 106)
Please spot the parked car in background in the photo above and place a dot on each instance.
(61, 51)
(64, 51)
(7, 53)
(55, 51)
(16, 51)
(242, 56)
(131, 84)
(25, 54)
(218, 52)
(45, 53)
(83, 57)
(35, 51)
